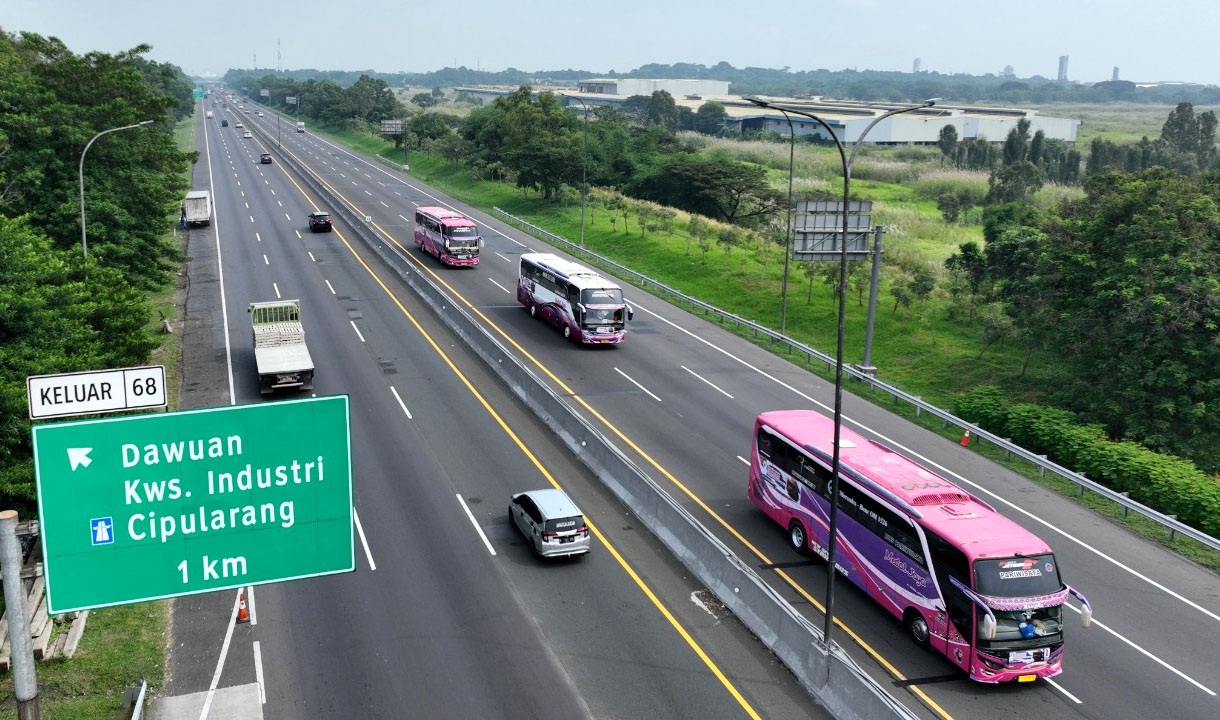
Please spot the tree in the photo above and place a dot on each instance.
(947, 142)
(424, 100)
(968, 269)
(728, 238)
(1126, 283)
(727, 190)
(710, 117)
(636, 107)
(1014, 183)
(427, 126)
(1016, 145)
(662, 110)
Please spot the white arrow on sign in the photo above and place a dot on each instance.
(79, 456)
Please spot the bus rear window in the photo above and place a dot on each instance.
(1017, 576)
(602, 296)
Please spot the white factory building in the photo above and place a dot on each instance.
(849, 118)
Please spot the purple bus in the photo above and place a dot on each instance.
(964, 580)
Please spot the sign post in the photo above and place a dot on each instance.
(148, 507)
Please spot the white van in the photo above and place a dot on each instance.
(300, 127)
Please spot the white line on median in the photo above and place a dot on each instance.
(709, 383)
(474, 522)
(364, 541)
(220, 662)
(401, 404)
(258, 673)
(633, 382)
(353, 322)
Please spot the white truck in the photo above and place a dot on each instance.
(197, 208)
(300, 127)
(280, 353)
(209, 115)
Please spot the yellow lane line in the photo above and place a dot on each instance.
(694, 645)
(877, 656)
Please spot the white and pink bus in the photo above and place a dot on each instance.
(449, 235)
(588, 307)
(965, 581)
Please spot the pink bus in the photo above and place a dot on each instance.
(449, 235)
(964, 580)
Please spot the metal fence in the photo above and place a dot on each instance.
(1171, 524)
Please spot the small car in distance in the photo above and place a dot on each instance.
(265, 158)
(550, 522)
(238, 124)
(224, 123)
(320, 221)
(246, 135)
(260, 114)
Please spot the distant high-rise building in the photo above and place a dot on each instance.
(1008, 72)
(915, 66)
(1063, 68)
(1114, 77)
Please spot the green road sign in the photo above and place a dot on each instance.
(147, 507)
(197, 94)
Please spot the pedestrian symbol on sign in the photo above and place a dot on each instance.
(102, 530)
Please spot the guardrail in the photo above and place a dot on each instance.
(1172, 525)
(402, 167)
(829, 674)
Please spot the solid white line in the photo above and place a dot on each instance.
(401, 404)
(332, 287)
(493, 282)
(506, 258)
(258, 237)
(265, 260)
(220, 662)
(310, 254)
(363, 541)
(692, 372)
(250, 604)
(277, 290)
(928, 462)
(1154, 658)
(406, 219)
(747, 462)
(220, 269)
(1060, 688)
(353, 322)
(474, 522)
(258, 673)
(620, 372)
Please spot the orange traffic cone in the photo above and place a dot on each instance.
(243, 615)
(965, 443)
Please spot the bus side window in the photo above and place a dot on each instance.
(764, 444)
(419, 220)
(573, 295)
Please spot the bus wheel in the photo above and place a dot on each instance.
(917, 628)
(797, 537)
(567, 332)
(533, 310)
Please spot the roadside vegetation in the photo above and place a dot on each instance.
(58, 314)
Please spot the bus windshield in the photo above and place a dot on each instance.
(462, 231)
(602, 296)
(1027, 576)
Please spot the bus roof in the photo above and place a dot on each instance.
(939, 505)
(445, 216)
(579, 275)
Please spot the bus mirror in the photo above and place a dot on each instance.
(1086, 616)
(481, 243)
(989, 627)
(630, 313)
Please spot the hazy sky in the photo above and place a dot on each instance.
(1147, 40)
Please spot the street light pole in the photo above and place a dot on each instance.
(584, 163)
(847, 162)
(783, 293)
(84, 242)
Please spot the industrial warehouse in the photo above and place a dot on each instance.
(849, 118)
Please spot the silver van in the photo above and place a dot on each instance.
(550, 521)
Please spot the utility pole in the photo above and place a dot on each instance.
(25, 683)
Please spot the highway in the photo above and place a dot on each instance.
(681, 395)
(448, 613)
